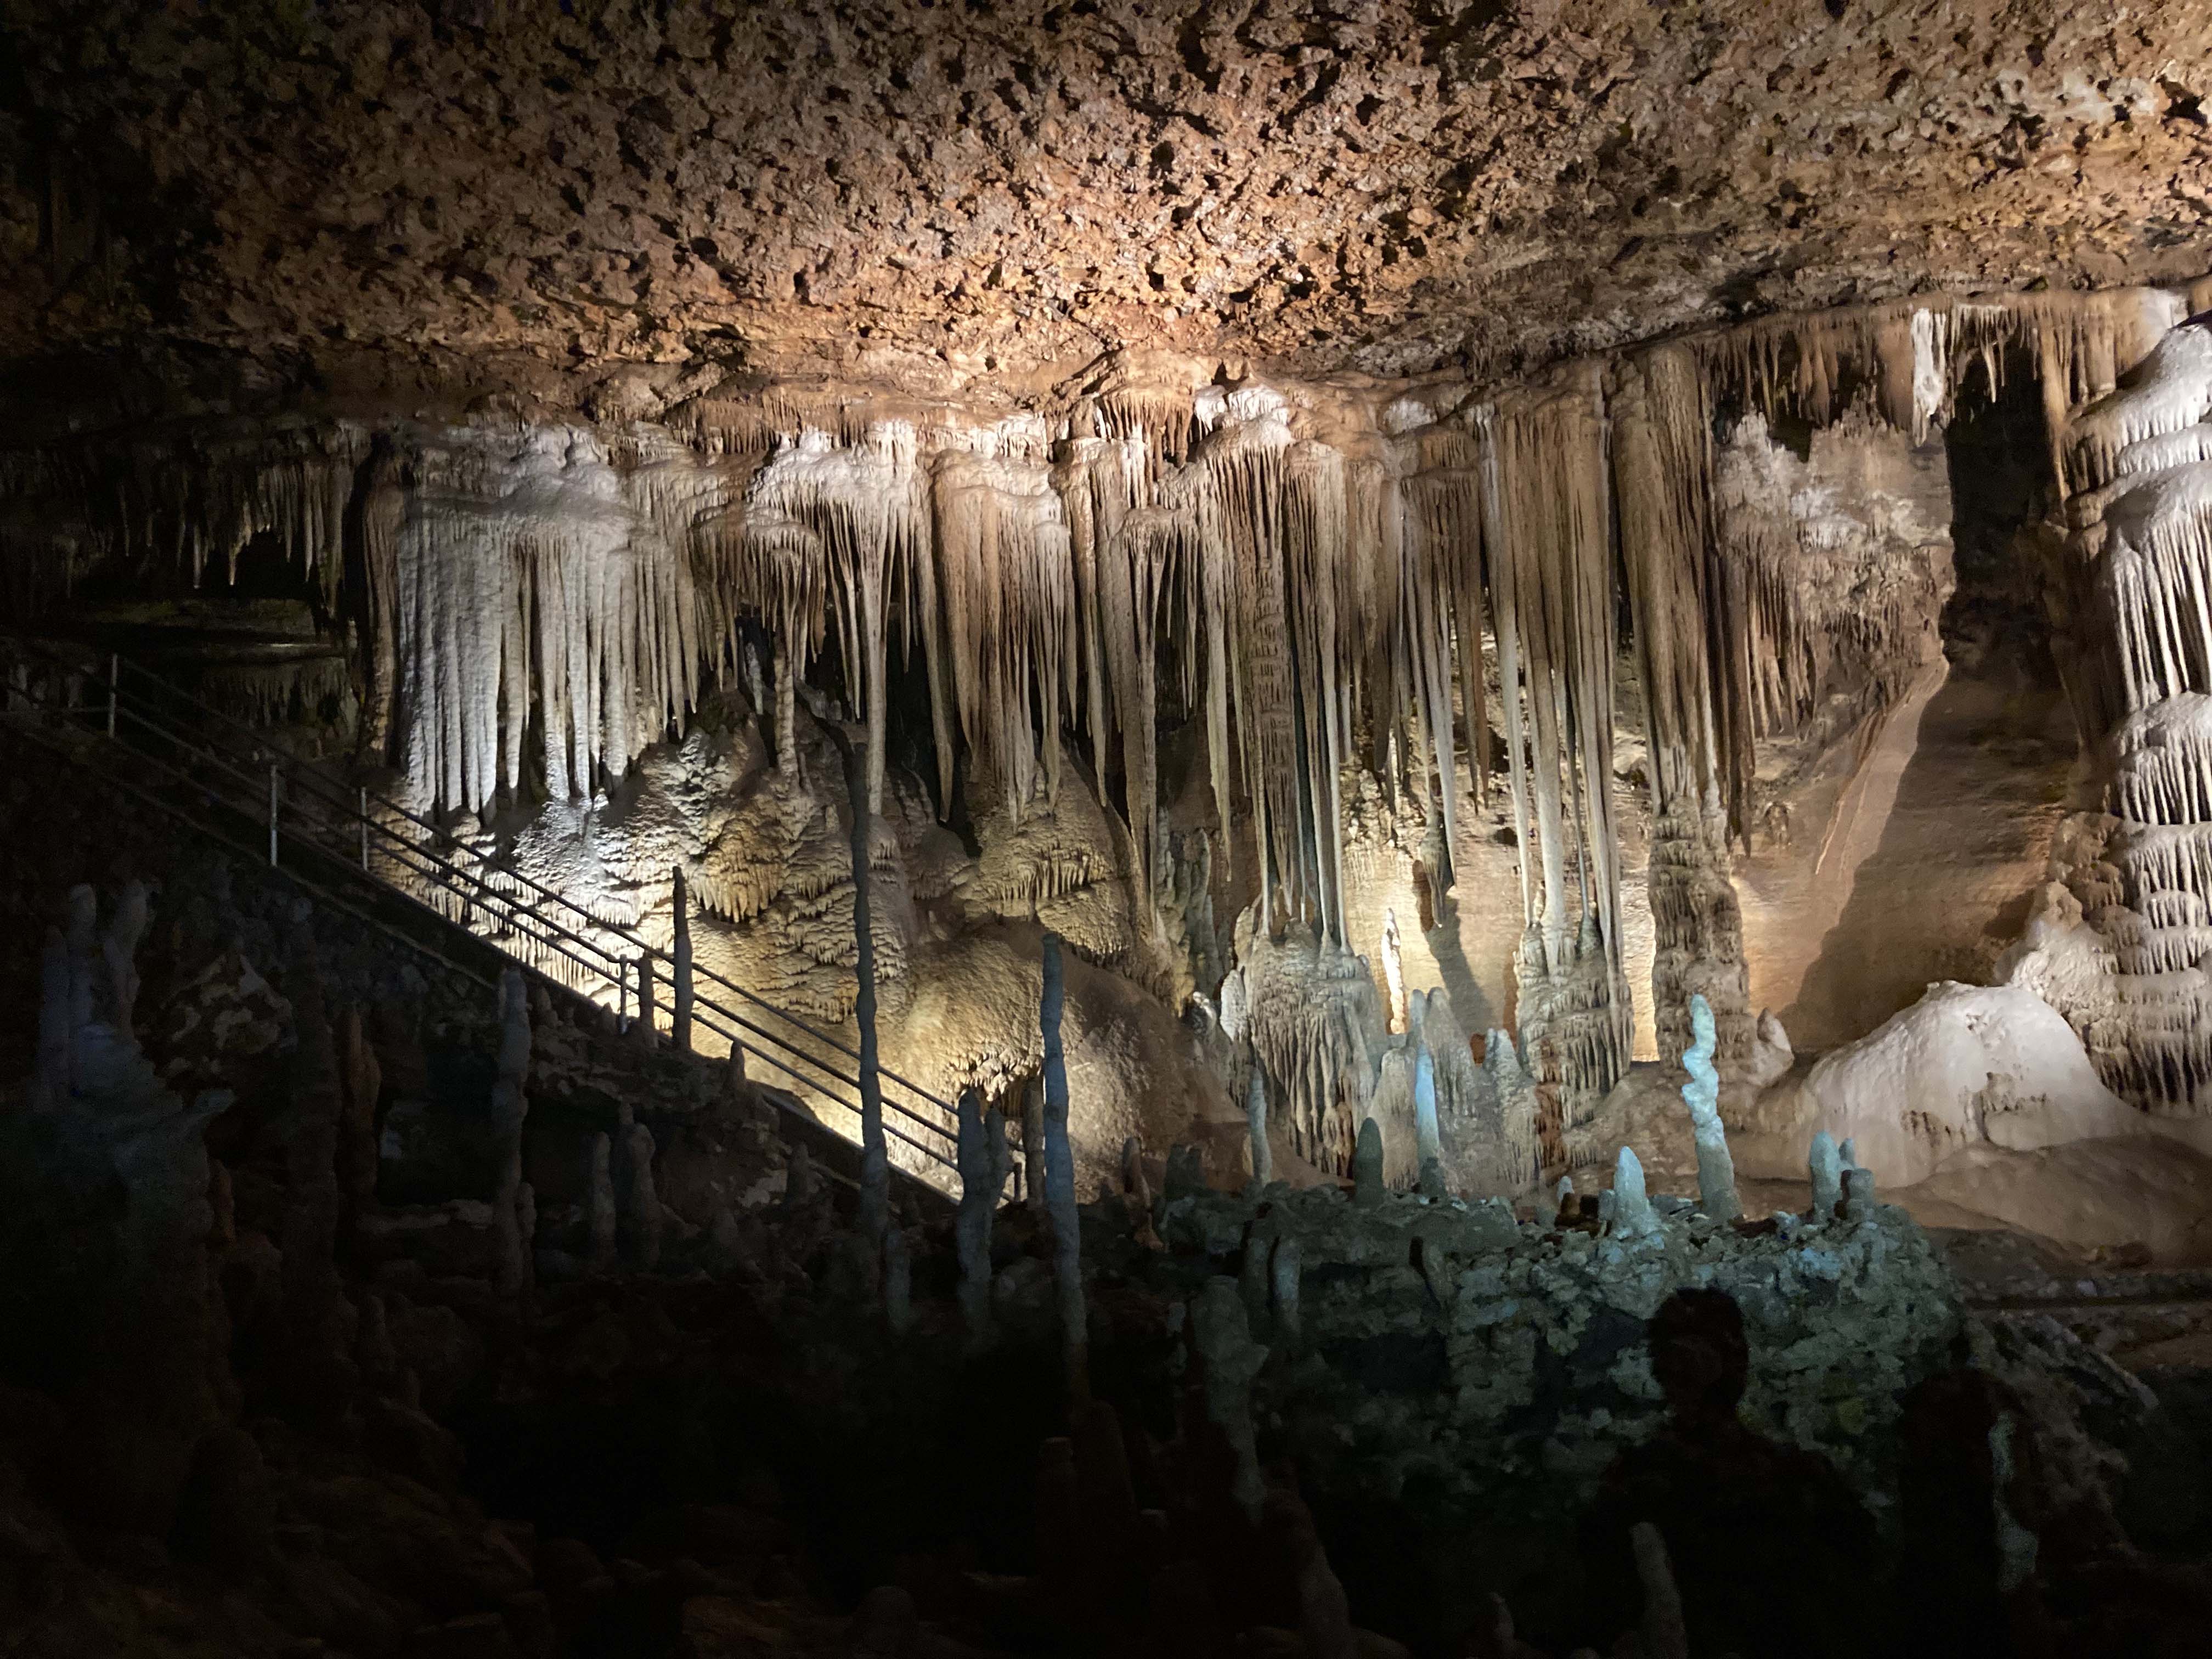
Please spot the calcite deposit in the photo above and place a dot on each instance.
(635, 637)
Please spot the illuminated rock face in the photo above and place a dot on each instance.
(1163, 648)
(598, 204)
(2118, 940)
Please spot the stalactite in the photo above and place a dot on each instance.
(867, 506)
(2140, 548)
(1548, 526)
(1697, 740)
(1005, 570)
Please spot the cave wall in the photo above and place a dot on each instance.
(1165, 645)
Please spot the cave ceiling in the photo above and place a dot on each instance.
(940, 195)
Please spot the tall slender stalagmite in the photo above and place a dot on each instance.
(510, 1104)
(979, 1168)
(679, 1025)
(875, 1158)
(1060, 1184)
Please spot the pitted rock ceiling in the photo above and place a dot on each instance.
(941, 193)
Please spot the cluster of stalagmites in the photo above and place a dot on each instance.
(1321, 1063)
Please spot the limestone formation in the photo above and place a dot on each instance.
(1060, 1186)
(1284, 1280)
(600, 1187)
(640, 1215)
(509, 1105)
(1827, 1177)
(1367, 1182)
(1255, 1123)
(317, 1319)
(1717, 1190)
(861, 793)
(980, 1173)
(1632, 1215)
(1228, 1360)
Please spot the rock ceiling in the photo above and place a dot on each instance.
(933, 193)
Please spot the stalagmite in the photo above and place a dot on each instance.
(801, 1183)
(978, 1199)
(1633, 1214)
(1716, 1189)
(510, 1104)
(1185, 1177)
(644, 1201)
(363, 1080)
(119, 947)
(1431, 1136)
(679, 1026)
(1663, 1632)
(1826, 1171)
(1393, 970)
(55, 1034)
(898, 1282)
(1367, 1185)
(1034, 1182)
(1285, 1281)
(81, 933)
(1252, 1271)
(1520, 1157)
(1135, 1187)
(875, 1159)
(641, 1027)
(1255, 1127)
(1858, 1194)
(1059, 1185)
(1228, 1359)
(316, 1318)
(599, 1186)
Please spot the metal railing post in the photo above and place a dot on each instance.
(364, 828)
(272, 815)
(114, 674)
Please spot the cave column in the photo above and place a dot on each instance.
(1661, 479)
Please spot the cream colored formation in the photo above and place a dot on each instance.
(1414, 581)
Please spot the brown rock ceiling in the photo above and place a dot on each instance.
(932, 192)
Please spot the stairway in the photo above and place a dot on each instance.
(376, 860)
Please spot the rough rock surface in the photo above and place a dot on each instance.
(1453, 1339)
(1966, 1066)
(615, 200)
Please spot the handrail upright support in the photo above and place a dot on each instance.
(114, 677)
(272, 815)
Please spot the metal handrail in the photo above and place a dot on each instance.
(474, 891)
(323, 787)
